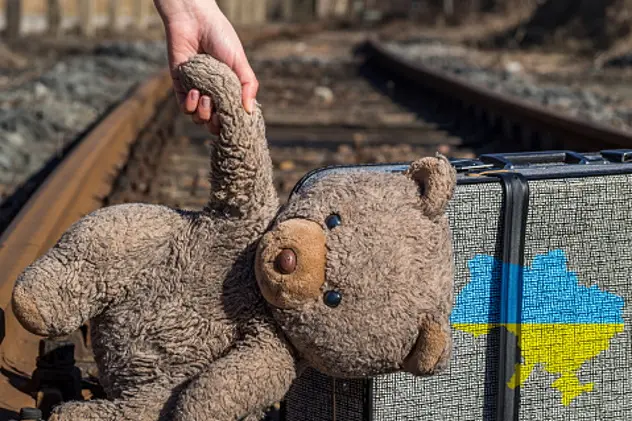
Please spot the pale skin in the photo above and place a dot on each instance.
(199, 26)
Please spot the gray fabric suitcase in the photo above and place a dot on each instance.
(542, 316)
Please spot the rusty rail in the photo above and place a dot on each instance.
(571, 132)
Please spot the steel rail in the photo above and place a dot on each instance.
(573, 133)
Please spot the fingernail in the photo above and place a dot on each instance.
(206, 102)
(195, 95)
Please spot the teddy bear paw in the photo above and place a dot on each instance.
(432, 351)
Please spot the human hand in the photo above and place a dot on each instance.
(199, 26)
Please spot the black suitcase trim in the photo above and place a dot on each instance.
(368, 400)
(516, 208)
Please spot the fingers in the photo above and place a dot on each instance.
(199, 107)
(249, 82)
(201, 110)
(191, 102)
(205, 109)
(249, 94)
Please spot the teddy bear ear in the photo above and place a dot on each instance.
(436, 178)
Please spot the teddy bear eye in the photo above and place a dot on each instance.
(333, 221)
(332, 298)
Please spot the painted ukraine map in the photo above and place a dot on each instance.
(564, 324)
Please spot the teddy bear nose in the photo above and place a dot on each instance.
(290, 263)
(286, 261)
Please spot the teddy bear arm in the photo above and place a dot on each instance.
(432, 350)
(92, 264)
(241, 169)
(247, 380)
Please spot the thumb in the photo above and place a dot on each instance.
(179, 51)
(249, 82)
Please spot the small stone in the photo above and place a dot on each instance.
(444, 149)
(40, 90)
(590, 100)
(564, 102)
(513, 67)
(15, 138)
(359, 137)
(325, 94)
(287, 165)
(345, 150)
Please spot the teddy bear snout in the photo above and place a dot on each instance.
(290, 263)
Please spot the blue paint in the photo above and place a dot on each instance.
(550, 294)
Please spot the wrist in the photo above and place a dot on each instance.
(185, 11)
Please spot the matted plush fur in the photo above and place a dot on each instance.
(181, 330)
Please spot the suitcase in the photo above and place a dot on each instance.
(543, 293)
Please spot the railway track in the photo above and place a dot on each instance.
(526, 125)
(324, 105)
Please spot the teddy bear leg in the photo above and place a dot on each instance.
(432, 351)
(244, 382)
(88, 411)
(148, 406)
(87, 269)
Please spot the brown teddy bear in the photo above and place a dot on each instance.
(212, 315)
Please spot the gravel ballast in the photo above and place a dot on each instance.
(604, 106)
(44, 115)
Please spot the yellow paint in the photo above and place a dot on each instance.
(476, 329)
(561, 349)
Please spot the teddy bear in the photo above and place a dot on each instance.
(213, 314)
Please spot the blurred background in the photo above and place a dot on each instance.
(64, 63)
(584, 24)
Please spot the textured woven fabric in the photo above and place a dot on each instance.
(575, 335)
(589, 219)
(318, 397)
